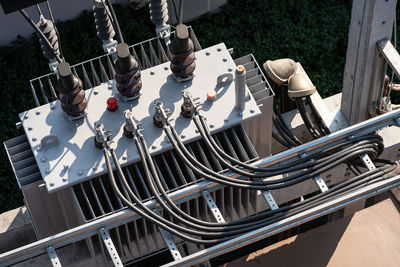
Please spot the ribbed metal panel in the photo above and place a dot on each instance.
(95, 198)
(22, 160)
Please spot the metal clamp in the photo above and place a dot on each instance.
(367, 162)
(270, 200)
(321, 183)
(212, 206)
(53, 256)
(110, 247)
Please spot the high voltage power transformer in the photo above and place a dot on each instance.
(165, 146)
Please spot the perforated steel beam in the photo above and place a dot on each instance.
(105, 236)
(53, 256)
(212, 206)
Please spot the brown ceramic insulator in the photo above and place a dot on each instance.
(71, 93)
(182, 64)
(127, 72)
(73, 102)
(130, 83)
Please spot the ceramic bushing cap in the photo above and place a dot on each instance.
(280, 70)
(300, 86)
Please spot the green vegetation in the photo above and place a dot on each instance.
(310, 31)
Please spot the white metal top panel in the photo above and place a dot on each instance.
(74, 158)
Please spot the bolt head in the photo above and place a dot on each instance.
(80, 172)
(37, 112)
(252, 111)
(95, 92)
(183, 136)
(47, 171)
(26, 117)
(153, 146)
(34, 139)
(207, 53)
(224, 59)
(110, 85)
(165, 68)
(211, 125)
(43, 159)
(219, 49)
(30, 128)
(226, 120)
(230, 69)
(51, 184)
(152, 73)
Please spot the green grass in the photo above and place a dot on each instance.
(310, 31)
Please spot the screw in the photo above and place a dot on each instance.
(94, 168)
(64, 179)
(303, 155)
(43, 159)
(152, 72)
(153, 146)
(51, 184)
(211, 125)
(80, 172)
(110, 85)
(240, 113)
(34, 139)
(207, 53)
(165, 68)
(219, 49)
(39, 148)
(226, 120)
(95, 92)
(37, 112)
(52, 106)
(196, 131)
(183, 136)
(230, 69)
(30, 128)
(47, 171)
(251, 110)
(124, 157)
(224, 59)
(26, 117)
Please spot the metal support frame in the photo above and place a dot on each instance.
(124, 216)
(105, 236)
(53, 256)
(173, 249)
(270, 200)
(212, 206)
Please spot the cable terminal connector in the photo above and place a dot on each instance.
(190, 104)
(161, 115)
(131, 127)
(102, 137)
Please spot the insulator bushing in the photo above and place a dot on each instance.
(104, 27)
(47, 27)
(158, 12)
(182, 53)
(71, 93)
(127, 72)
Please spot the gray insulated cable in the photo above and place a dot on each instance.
(47, 27)
(158, 12)
(104, 26)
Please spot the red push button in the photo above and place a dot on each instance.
(112, 104)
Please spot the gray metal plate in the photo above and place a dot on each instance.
(74, 157)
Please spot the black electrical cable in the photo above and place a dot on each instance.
(44, 38)
(325, 130)
(280, 140)
(267, 185)
(308, 165)
(175, 11)
(181, 11)
(269, 168)
(279, 127)
(284, 126)
(306, 118)
(119, 37)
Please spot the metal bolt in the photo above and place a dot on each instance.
(183, 136)
(34, 139)
(303, 155)
(226, 120)
(94, 168)
(211, 125)
(219, 49)
(52, 106)
(80, 172)
(47, 171)
(39, 148)
(152, 72)
(26, 117)
(230, 69)
(207, 53)
(110, 85)
(37, 112)
(30, 128)
(43, 159)
(51, 184)
(124, 157)
(153, 146)
(251, 110)
(165, 68)
(224, 59)
(64, 179)
(196, 131)
(95, 92)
